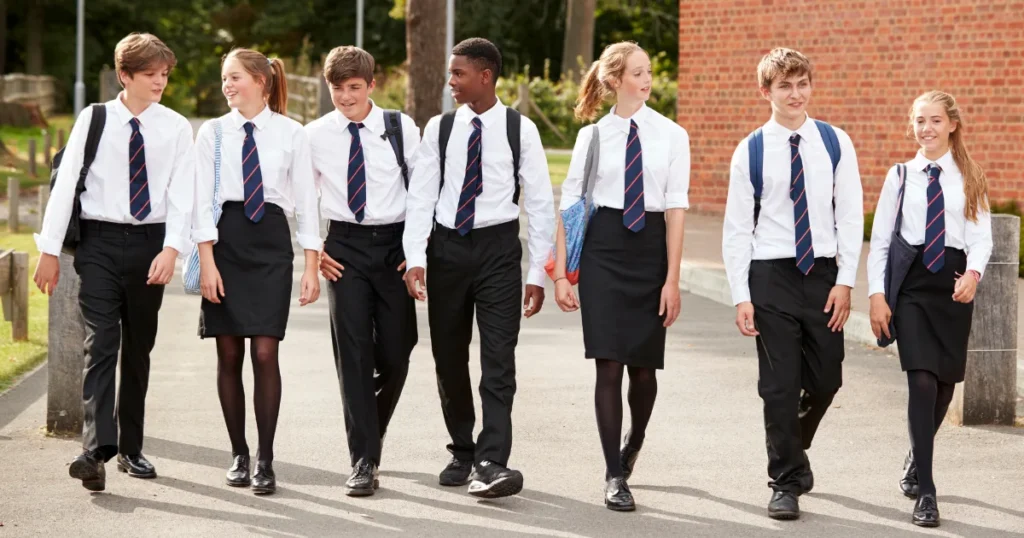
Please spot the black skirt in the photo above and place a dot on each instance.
(255, 261)
(932, 329)
(621, 277)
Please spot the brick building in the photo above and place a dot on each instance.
(871, 59)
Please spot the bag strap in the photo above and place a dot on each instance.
(92, 141)
(218, 137)
(590, 167)
(393, 132)
(828, 135)
(513, 121)
(901, 170)
(445, 132)
(755, 156)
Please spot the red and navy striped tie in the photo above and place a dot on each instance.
(633, 214)
(253, 178)
(473, 184)
(801, 219)
(935, 232)
(138, 185)
(356, 174)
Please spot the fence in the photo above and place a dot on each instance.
(308, 98)
(39, 90)
(14, 291)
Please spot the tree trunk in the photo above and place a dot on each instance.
(34, 38)
(579, 37)
(425, 53)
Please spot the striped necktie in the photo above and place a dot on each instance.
(935, 232)
(253, 182)
(138, 185)
(473, 184)
(356, 174)
(801, 220)
(633, 216)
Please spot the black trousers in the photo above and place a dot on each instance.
(480, 271)
(120, 312)
(799, 360)
(373, 330)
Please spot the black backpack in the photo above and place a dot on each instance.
(512, 126)
(393, 132)
(92, 142)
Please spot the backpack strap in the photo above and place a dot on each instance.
(393, 132)
(445, 132)
(828, 134)
(901, 172)
(755, 152)
(513, 124)
(92, 142)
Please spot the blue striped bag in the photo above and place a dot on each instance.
(576, 217)
(190, 276)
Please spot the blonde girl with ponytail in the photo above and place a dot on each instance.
(629, 265)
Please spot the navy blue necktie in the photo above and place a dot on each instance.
(935, 232)
(633, 213)
(253, 178)
(801, 219)
(356, 174)
(138, 185)
(473, 184)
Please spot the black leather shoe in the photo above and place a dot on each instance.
(263, 480)
(627, 458)
(926, 511)
(806, 479)
(491, 480)
(88, 467)
(238, 475)
(364, 480)
(784, 506)
(617, 495)
(136, 465)
(456, 473)
(908, 482)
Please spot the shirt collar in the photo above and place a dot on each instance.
(466, 114)
(805, 130)
(373, 122)
(614, 120)
(260, 121)
(920, 162)
(124, 115)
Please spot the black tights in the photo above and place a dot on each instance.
(929, 400)
(267, 397)
(643, 388)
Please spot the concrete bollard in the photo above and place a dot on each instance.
(989, 392)
(13, 203)
(32, 172)
(66, 356)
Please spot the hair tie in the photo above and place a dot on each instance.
(270, 62)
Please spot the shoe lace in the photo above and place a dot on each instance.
(928, 503)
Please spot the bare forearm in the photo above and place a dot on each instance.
(674, 219)
(559, 248)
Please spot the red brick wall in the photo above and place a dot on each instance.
(871, 59)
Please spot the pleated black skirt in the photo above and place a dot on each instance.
(255, 261)
(621, 276)
(932, 329)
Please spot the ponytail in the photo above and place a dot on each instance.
(277, 87)
(592, 93)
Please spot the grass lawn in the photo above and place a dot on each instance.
(17, 358)
(16, 139)
(558, 165)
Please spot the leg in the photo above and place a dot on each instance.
(267, 376)
(396, 335)
(943, 396)
(231, 391)
(450, 316)
(921, 411)
(608, 407)
(643, 389)
(824, 351)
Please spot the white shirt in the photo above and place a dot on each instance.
(838, 234)
(494, 205)
(170, 168)
(665, 148)
(331, 144)
(975, 238)
(285, 166)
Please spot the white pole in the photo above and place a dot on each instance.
(449, 43)
(359, 23)
(80, 60)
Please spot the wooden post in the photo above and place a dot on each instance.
(19, 289)
(66, 355)
(989, 392)
(47, 148)
(13, 198)
(32, 157)
(44, 197)
(523, 100)
(60, 138)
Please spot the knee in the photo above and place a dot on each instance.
(642, 376)
(264, 357)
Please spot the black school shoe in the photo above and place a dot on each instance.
(491, 481)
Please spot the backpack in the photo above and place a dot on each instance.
(393, 132)
(92, 141)
(755, 149)
(513, 121)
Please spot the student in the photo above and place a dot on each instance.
(629, 266)
(373, 318)
(246, 256)
(943, 196)
(791, 243)
(465, 178)
(136, 214)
